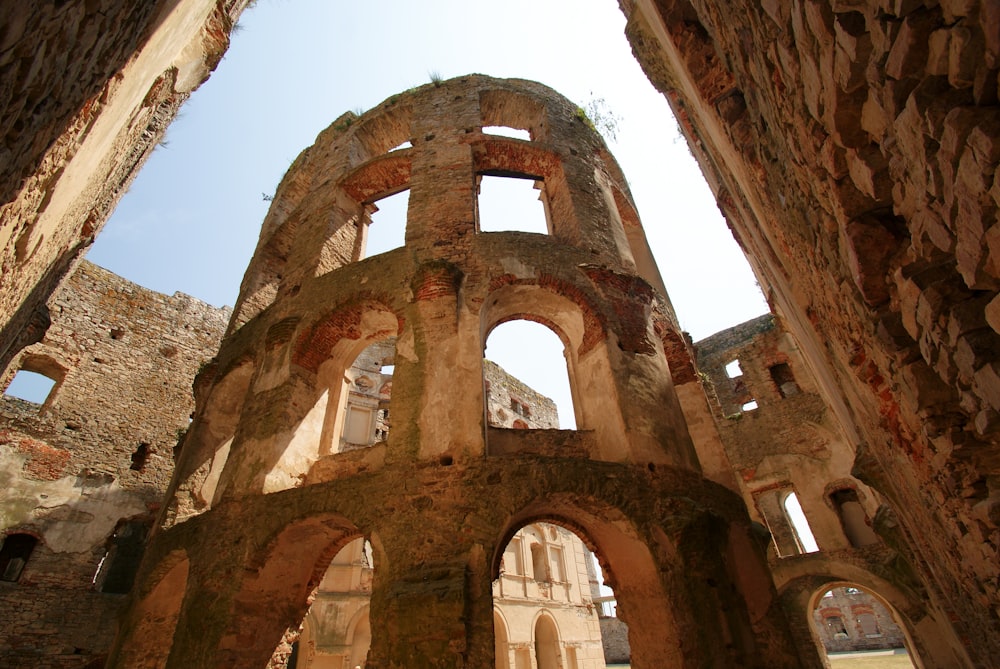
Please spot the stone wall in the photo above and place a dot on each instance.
(86, 91)
(512, 403)
(852, 148)
(86, 471)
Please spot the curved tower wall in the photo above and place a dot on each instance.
(263, 499)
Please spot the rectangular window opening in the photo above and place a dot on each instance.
(387, 227)
(507, 131)
(733, 369)
(512, 204)
(783, 379)
(30, 387)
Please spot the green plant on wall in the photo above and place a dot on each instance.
(598, 116)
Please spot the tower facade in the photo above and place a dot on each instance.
(265, 495)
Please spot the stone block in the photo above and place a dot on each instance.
(975, 349)
(992, 313)
(922, 389)
(956, 9)
(938, 52)
(908, 52)
(987, 380)
(869, 246)
(963, 57)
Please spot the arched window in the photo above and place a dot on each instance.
(849, 619)
(14, 554)
(338, 614)
(526, 378)
(36, 380)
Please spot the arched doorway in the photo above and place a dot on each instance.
(501, 643)
(854, 628)
(547, 651)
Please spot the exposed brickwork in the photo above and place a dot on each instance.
(86, 91)
(99, 451)
(512, 403)
(444, 492)
(852, 148)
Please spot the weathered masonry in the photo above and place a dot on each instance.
(853, 149)
(855, 589)
(84, 470)
(263, 497)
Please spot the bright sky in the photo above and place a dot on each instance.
(191, 219)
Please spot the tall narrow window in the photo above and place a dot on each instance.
(539, 568)
(803, 534)
(387, 229)
(118, 567)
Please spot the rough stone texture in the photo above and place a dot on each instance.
(511, 403)
(439, 500)
(790, 443)
(86, 91)
(852, 148)
(126, 357)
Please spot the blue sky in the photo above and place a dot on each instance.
(191, 219)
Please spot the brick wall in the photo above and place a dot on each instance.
(97, 453)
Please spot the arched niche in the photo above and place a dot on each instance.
(277, 586)
(547, 645)
(501, 641)
(848, 618)
(307, 390)
(633, 569)
(146, 641)
(548, 568)
(206, 446)
(592, 385)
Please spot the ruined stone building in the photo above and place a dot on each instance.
(852, 147)
(85, 471)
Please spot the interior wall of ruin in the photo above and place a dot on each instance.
(95, 457)
(86, 92)
(852, 148)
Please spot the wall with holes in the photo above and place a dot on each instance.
(84, 468)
